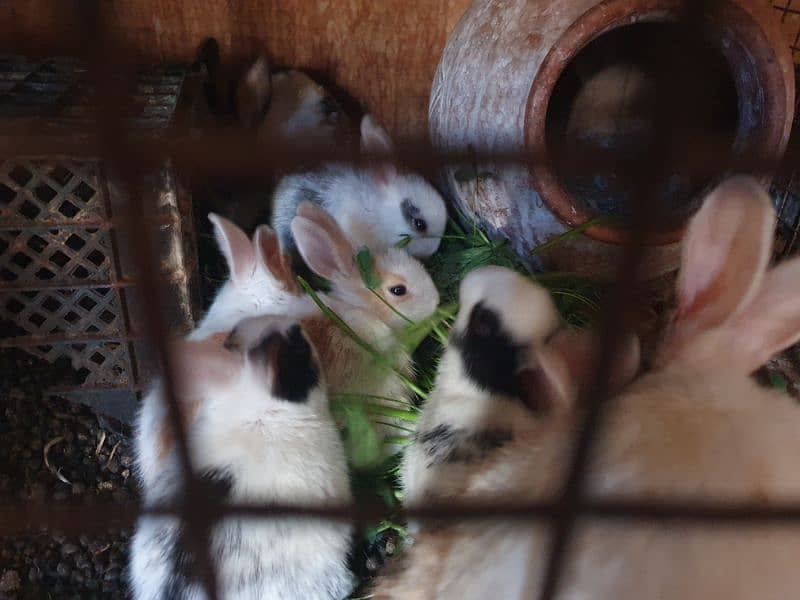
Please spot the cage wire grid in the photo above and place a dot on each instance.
(109, 62)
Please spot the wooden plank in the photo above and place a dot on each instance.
(384, 53)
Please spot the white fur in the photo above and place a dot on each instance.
(276, 451)
(365, 203)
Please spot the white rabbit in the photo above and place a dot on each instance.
(375, 207)
(696, 428)
(260, 278)
(259, 431)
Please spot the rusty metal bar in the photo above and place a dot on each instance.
(16, 519)
(70, 284)
(24, 341)
(106, 61)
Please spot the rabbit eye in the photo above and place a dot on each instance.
(411, 215)
(398, 290)
(329, 107)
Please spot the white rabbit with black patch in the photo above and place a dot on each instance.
(376, 207)
(259, 431)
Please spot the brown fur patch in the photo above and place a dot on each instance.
(166, 438)
(278, 263)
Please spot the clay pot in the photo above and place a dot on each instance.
(497, 79)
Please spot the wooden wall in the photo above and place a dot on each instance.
(382, 52)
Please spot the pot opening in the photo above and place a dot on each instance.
(611, 101)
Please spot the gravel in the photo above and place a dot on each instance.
(81, 468)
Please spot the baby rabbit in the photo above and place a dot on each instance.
(406, 292)
(290, 105)
(259, 431)
(696, 428)
(260, 278)
(376, 207)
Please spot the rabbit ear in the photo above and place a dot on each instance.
(272, 258)
(580, 350)
(254, 92)
(322, 244)
(545, 384)
(725, 255)
(770, 323)
(235, 246)
(375, 140)
(568, 362)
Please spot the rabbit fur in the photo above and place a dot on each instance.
(259, 431)
(375, 207)
(694, 428)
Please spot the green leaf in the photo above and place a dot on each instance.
(779, 382)
(404, 241)
(366, 266)
(361, 442)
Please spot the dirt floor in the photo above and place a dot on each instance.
(86, 461)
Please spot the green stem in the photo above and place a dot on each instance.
(571, 233)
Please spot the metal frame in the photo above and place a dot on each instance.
(132, 158)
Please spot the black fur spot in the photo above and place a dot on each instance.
(443, 444)
(296, 371)
(413, 216)
(214, 485)
(310, 194)
(489, 354)
(437, 439)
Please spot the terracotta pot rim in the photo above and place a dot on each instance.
(602, 18)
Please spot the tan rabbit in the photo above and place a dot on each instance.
(696, 428)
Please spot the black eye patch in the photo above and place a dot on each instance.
(489, 355)
(413, 216)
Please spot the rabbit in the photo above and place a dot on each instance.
(406, 293)
(376, 207)
(289, 105)
(696, 427)
(259, 431)
(260, 278)
(262, 283)
(282, 107)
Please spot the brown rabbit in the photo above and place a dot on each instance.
(696, 428)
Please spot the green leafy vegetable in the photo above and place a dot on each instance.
(366, 266)
(362, 444)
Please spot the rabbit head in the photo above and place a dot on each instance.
(406, 291)
(408, 202)
(510, 341)
(290, 105)
(260, 277)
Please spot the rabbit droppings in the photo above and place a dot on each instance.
(375, 207)
(259, 431)
(696, 428)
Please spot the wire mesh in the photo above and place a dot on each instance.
(131, 158)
